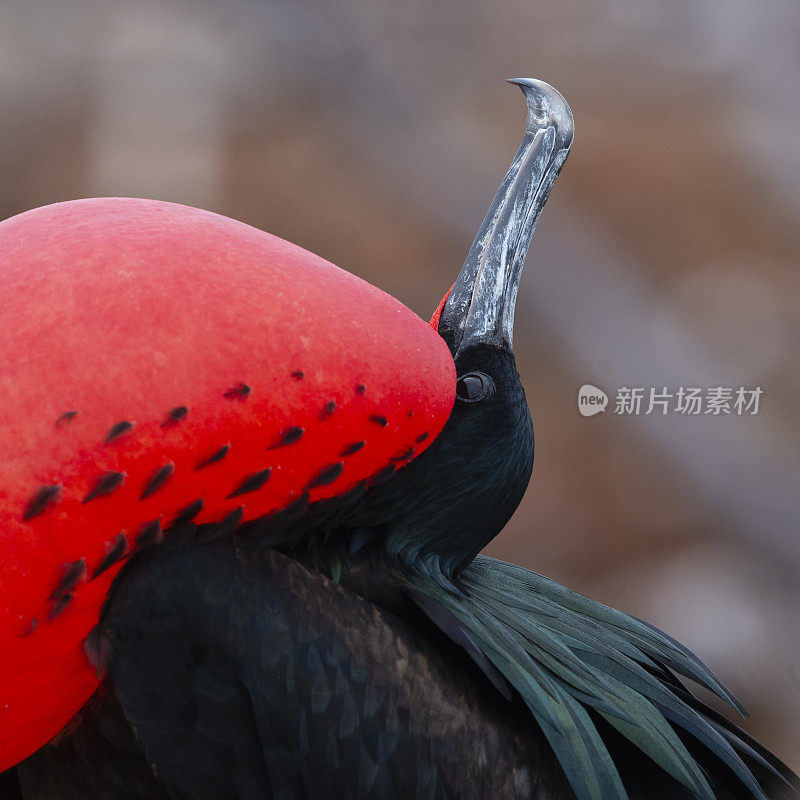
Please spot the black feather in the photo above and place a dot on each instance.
(105, 485)
(251, 483)
(118, 430)
(218, 456)
(73, 573)
(150, 534)
(158, 479)
(350, 449)
(44, 497)
(289, 436)
(188, 513)
(174, 416)
(326, 475)
(237, 392)
(117, 549)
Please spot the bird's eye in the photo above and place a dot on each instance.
(474, 386)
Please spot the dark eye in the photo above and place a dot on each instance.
(474, 386)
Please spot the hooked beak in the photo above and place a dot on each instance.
(480, 308)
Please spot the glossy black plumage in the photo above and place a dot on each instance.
(247, 674)
(316, 696)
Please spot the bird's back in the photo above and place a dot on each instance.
(350, 692)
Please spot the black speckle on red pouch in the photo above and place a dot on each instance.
(105, 485)
(158, 480)
(289, 436)
(218, 456)
(403, 455)
(238, 391)
(118, 430)
(73, 573)
(251, 483)
(326, 475)
(188, 513)
(174, 416)
(60, 605)
(66, 418)
(350, 449)
(44, 497)
(117, 548)
(150, 534)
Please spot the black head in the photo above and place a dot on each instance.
(460, 493)
(447, 504)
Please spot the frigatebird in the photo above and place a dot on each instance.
(244, 495)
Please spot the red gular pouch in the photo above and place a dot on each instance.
(158, 362)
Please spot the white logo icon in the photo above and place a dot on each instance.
(591, 400)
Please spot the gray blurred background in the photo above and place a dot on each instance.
(376, 133)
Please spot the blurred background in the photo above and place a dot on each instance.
(375, 134)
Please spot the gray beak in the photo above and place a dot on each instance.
(480, 308)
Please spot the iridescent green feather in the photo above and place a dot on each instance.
(566, 655)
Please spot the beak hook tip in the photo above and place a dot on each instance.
(546, 108)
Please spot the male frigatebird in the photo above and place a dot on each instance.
(243, 494)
